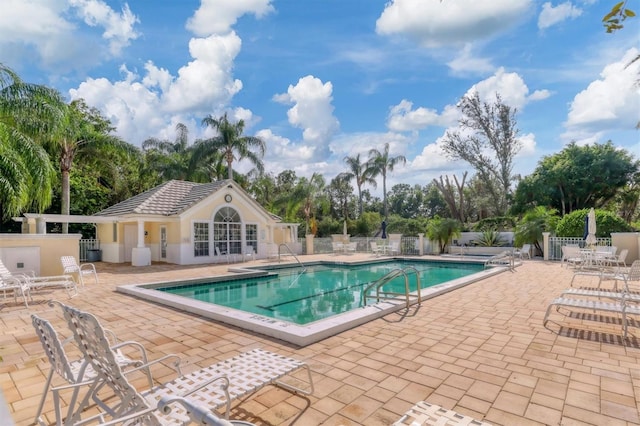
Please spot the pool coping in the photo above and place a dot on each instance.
(299, 335)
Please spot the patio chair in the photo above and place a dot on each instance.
(248, 252)
(571, 256)
(394, 248)
(424, 413)
(70, 266)
(351, 248)
(219, 254)
(376, 249)
(337, 247)
(212, 387)
(18, 287)
(524, 251)
(35, 282)
(79, 372)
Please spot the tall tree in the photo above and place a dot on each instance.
(231, 142)
(27, 112)
(362, 173)
(81, 129)
(381, 163)
(578, 177)
(454, 197)
(171, 160)
(305, 196)
(488, 141)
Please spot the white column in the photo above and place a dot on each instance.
(545, 244)
(141, 255)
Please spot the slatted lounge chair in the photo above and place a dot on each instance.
(212, 387)
(501, 259)
(70, 266)
(424, 413)
(524, 251)
(622, 307)
(16, 287)
(35, 282)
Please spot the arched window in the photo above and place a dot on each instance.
(227, 231)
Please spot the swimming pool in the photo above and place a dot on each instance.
(302, 296)
(280, 303)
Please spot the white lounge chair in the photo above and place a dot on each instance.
(621, 306)
(424, 413)
(503, 259)
(524, 251)
(75, 372)
(34, 282)
(210, 388)
(376, 249)
(10, 284)
(70, 266)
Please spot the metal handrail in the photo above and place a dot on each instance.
(392, 295)
(292, 254)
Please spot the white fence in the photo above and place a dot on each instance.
(556, 243)
(409, 246)
(88, 248)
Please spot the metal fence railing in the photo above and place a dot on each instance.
(409, 246)
(556, 243)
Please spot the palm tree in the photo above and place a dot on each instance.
(309, 191)
(362, 173)
(81, 130)
(231, 142)
(380, 162)
(27, 112)
(170, 159)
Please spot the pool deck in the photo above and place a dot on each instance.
(480, 350)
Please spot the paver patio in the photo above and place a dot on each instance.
(480, 350)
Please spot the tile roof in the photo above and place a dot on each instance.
(168, 199)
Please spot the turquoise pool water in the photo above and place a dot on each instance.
(322, 291)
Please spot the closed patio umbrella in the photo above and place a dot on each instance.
(591, 228)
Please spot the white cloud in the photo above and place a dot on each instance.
(511, 88)
(312, 110)
(465, 63)
(218, 16)
(403, 118)
(206, 83)
(446, 23)
(139, 107)
(528, 145)
(118, 27)
(55, 33)
(433, 158)
(610, 103)
(551, 15)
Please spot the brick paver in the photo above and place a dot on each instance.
(480, 350)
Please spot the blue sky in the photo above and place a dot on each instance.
(322, 79)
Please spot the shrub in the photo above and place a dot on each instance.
(442, 230)
(490, 238)
(498, 223)
(572, 224)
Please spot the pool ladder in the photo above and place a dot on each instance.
(392, 295)
(292, 254)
